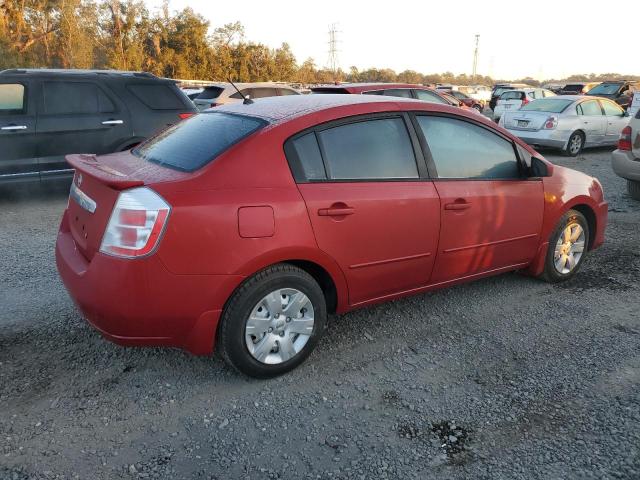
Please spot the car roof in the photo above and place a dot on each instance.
(248, 85)
(59, 71)
(364, 87)
(284, 108)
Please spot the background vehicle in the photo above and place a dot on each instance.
(223, 93)
(578, 88)
(634, 107)
(478, 92)
(514, 99)
(619, 91)
(304, 221)
(405, 90)
(46, 114)
(500, 88)
(567, 122)
(467, 100)
(192, 93)
(626, 159)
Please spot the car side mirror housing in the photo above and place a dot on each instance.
(539, 168)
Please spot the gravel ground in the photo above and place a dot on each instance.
(505, 378)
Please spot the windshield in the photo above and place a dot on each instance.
(605, 89)
(512, 96)
(551, 105)
(193, 143)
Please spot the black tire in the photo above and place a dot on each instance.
(570, 150)
(550, 273)
(231, 333)
(633, 187)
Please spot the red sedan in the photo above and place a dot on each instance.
(244, 226)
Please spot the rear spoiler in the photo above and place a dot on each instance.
(88, 164)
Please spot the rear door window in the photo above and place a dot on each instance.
(611, 109)
(398, 92)
(263, 92)
(463, 150)
(309, 157)
(193, 143)
(427, 96)
(11, 98)
(74, 98)
(590, 108)
(372, 149)
(157, 96)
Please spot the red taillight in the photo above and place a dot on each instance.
(550, 123)
(136, 224)
(624, 142)
(525, 100)
(184, 116)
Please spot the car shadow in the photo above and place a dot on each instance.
(34, 191)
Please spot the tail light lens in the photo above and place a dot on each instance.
(624, 142)
(551, 123)
(184, 116)
(136, 224)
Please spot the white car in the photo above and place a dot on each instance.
(634, 106)
(478, 92)
(626, 159)
(514, 99)
(223, 93)
(567, 122)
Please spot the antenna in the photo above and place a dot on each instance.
(333, 51)
(475, 58)
(245, 100)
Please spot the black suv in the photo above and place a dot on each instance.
(46, 114)
(620, 91)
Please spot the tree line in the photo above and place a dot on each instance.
(125, 35)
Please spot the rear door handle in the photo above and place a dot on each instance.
(457, 206)
(14, 127)
(113, 122)
(336, 211)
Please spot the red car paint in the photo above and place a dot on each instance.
(244, 212)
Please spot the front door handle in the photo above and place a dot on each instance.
(457, 205)
(14, 127)
(336, 211)
(113, 122)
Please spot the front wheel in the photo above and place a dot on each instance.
(567, 247)
(575, 144)
(272, 322)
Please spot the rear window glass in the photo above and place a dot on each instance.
(605, 89)
(11, 98)
(210, 93)
(551, 105)
(512, 96)
(192, 143)
(157, 97)
(500, 90)
(329, 90)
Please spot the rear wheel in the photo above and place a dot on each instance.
(575, 144)
(272, 322)
(568, 245)
(633, 188)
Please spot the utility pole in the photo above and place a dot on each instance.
(475, 58)
(333, 51)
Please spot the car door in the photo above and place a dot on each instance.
(491, 216)
(616, 121)
(17, 130)
(592, 122)
(370, 203)
(77, 117)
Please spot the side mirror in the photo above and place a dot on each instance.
(539, 168)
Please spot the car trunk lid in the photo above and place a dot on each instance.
(526, 120)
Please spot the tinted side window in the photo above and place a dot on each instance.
(373, 149)
(591, 107)
(308, 152)
(374, 92)
(156, 97)
(247, 92)
(463, 150)
(398, 92)
(64, 98)
(263, 92)
(11, 98)
(428, 96)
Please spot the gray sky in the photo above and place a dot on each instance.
(517, 39)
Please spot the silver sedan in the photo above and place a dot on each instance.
(569, 122)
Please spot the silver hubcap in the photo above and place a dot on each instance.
(576, 144)
(569, 248)
(279, 326)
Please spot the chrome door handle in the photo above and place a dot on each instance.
(113, 122)
(14, 127)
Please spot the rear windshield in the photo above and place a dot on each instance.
(512, 96)
(158, 96)
(576, 87)
(605, 89)
(193, 143)
(551, 105)
(500, 90)
(210, 93)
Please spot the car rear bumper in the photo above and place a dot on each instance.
(139, 302)
(625, 165)
(542, 138)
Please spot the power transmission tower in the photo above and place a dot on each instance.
(333, 51)
(475, 58)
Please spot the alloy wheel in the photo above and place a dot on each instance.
(569, 248)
